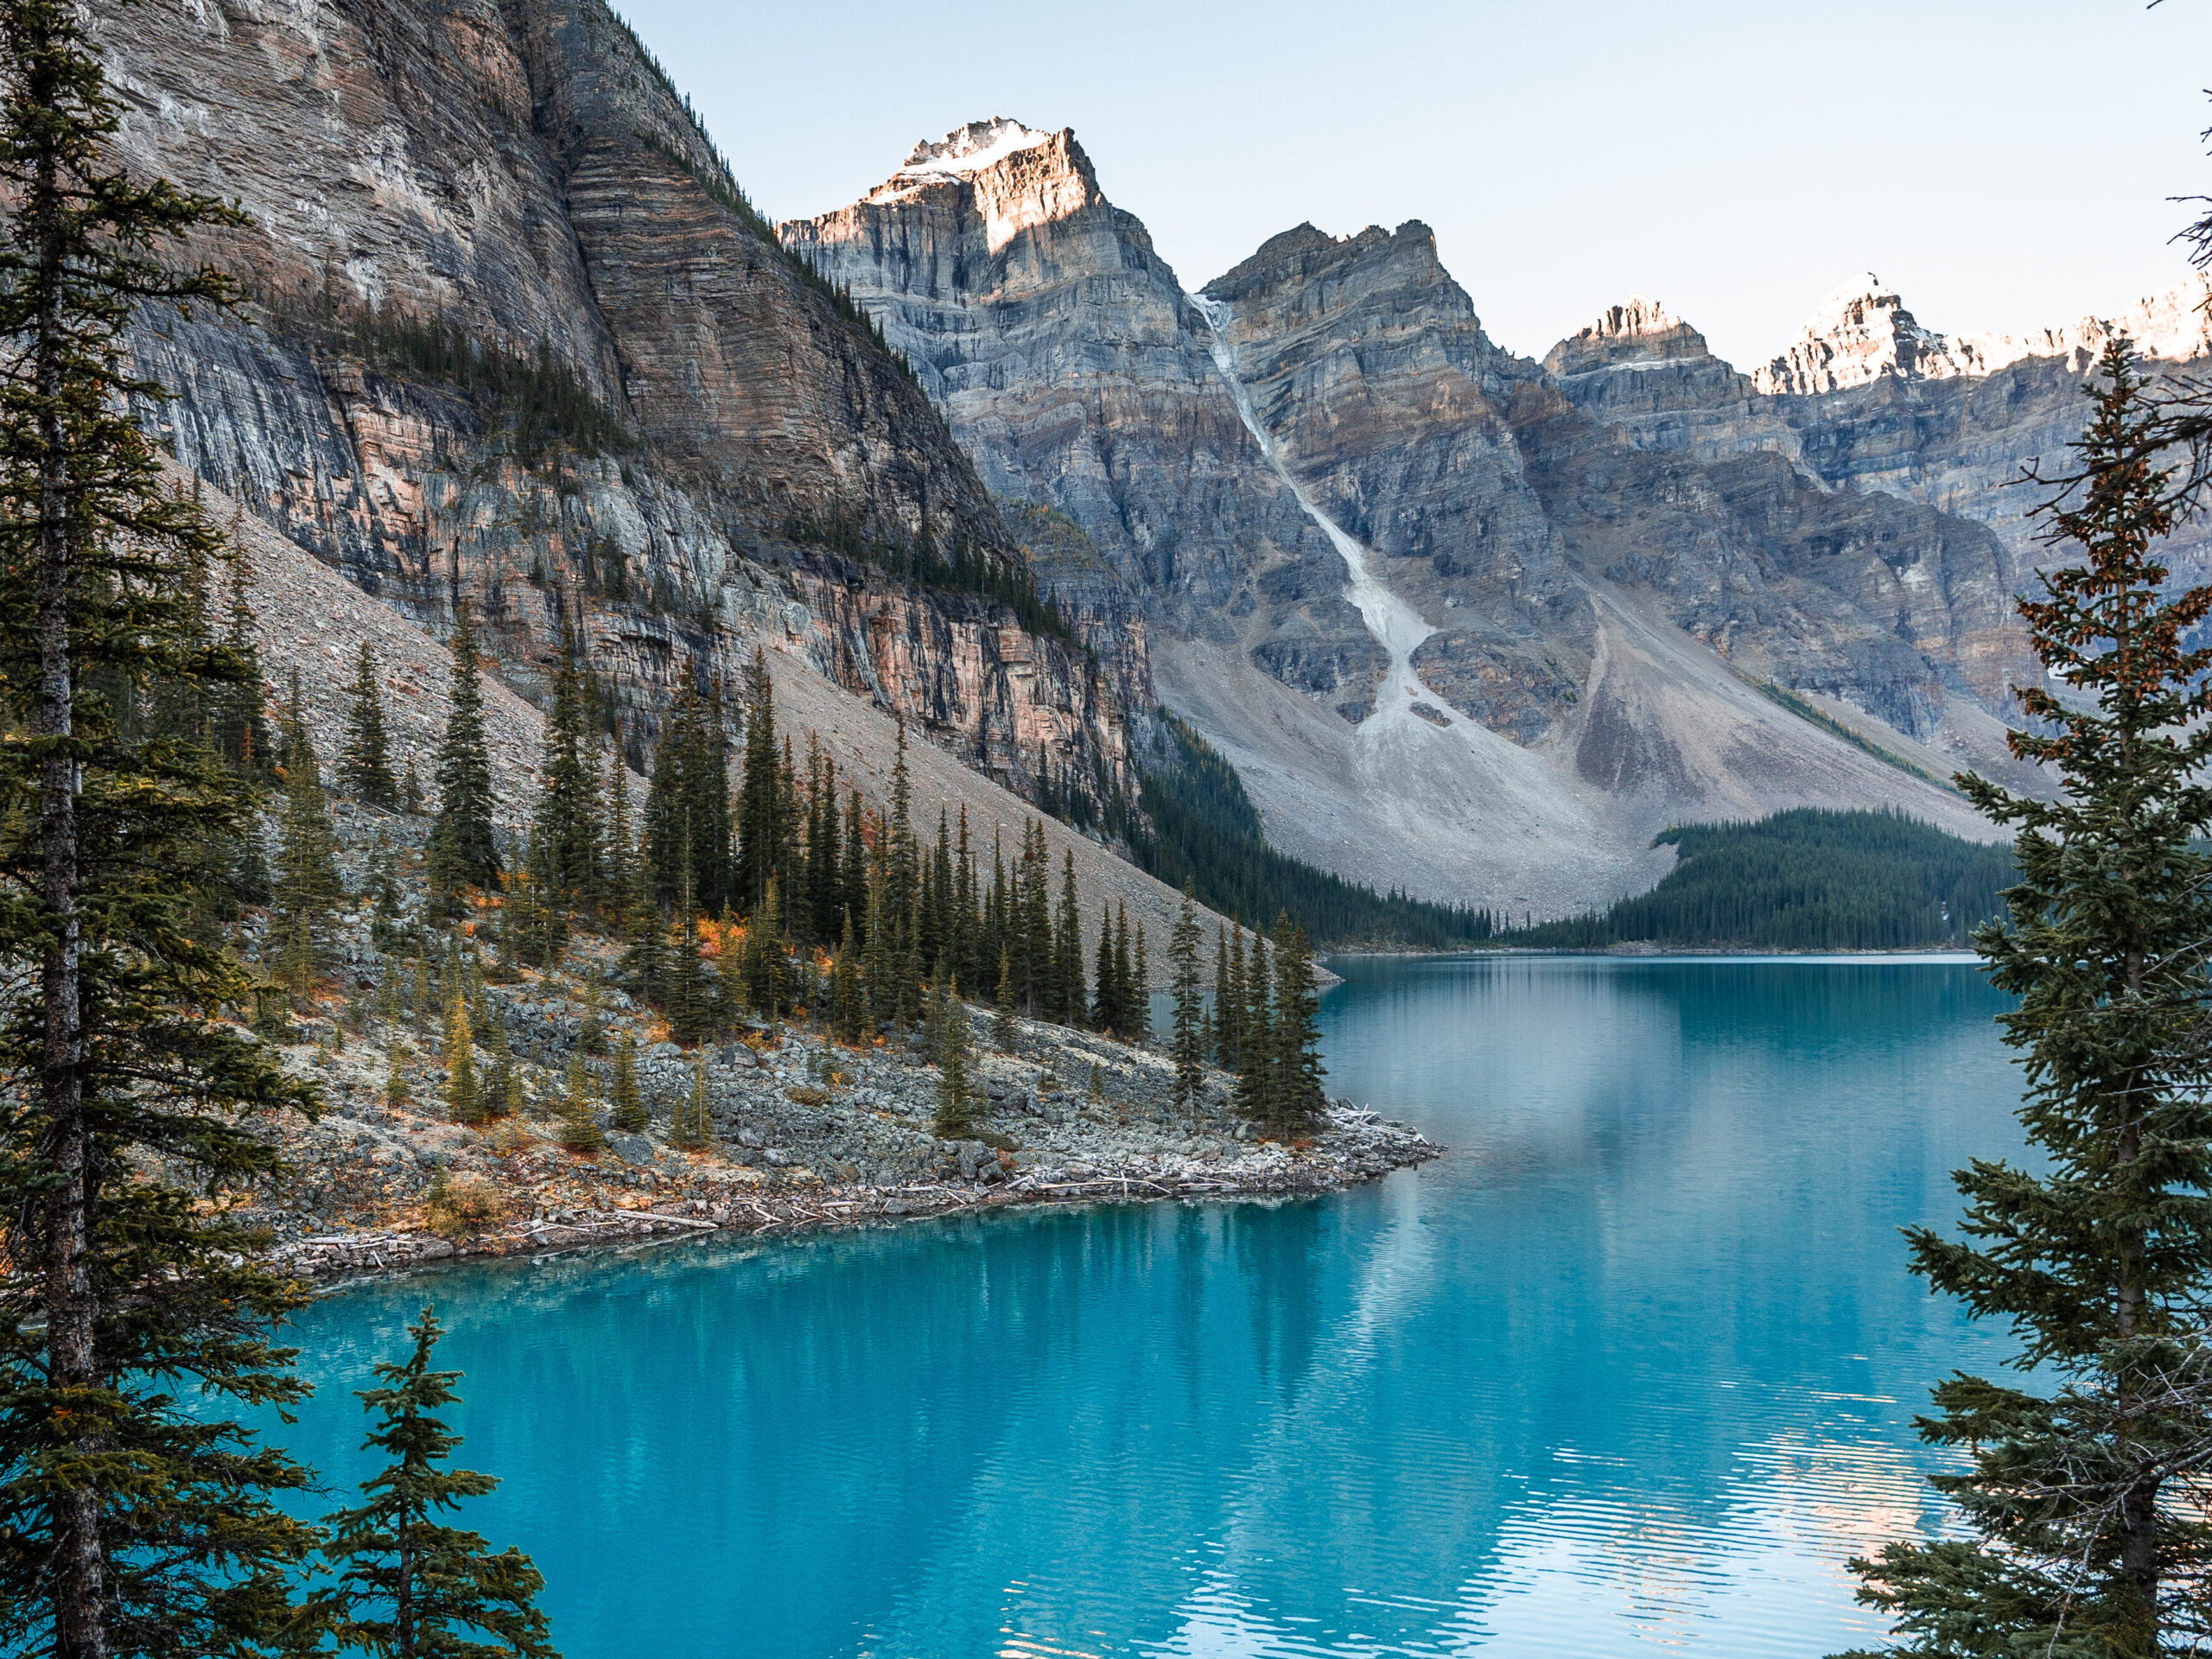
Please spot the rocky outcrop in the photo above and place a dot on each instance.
(516, 335)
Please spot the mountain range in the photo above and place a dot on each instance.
(1466, 623)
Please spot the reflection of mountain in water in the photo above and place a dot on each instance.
(1638, 1358)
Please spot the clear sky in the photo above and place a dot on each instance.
(2004, 164)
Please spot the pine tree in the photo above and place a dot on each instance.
(1067, 948)
(308, 888)
(1004, 1034)
(1184, 982)
(693, 1128)
(955, 1106)
(502, 1093)
(1256, 1039)
(1140, 988)
(628, 1114)
(566, 832)
(407, 1585)
(580, 1131)
(1295, 1098)
(366, 760)
(136, 1514)
(396, 1093)
(618, 852)
(847, 1001)
(464, 1103)
(1229, 1000)
(1105, 1007)
(463, 852)
(2088, 1535)
(760, 806)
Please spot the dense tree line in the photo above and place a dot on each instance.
(1198, 827)
(1805, 880)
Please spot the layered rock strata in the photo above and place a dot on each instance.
(515, 336)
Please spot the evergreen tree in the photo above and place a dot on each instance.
(1004, 1035)
(759, 805)
(1295, 1098)
(2088, 1535)
(628, 1113)
(693, 1128)
(565, 838)
(580, 1131)
(1067, 948)
(1140, 987)
(308, 889)
(463, 1102)
(1184, 982)
(618, 852)
(396, 1093)
(462, 848)
(1256, 1039)
(136, 1514)
(848, 1002)
(240, 734)
(365, 761)
(955, 1106)
(1105, 1005)
(502, 1094)
(408, 1585)
(1229, 998)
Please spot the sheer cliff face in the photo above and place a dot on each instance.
(517, 173)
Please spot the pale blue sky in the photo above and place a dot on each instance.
(2003, 163)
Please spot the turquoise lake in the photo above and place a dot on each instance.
(1632, 1369)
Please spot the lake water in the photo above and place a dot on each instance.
(1632, 1369)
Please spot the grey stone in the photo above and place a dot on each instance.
(632, 1149)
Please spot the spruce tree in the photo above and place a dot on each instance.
(693, 1127)
(1004, 1033)
(133, 1521)
(848, 999)
(955, 1106)
(463, 852)
(1255, 1040)
(307, 890)
(566, 832)
(1068, 947)
(759, 808)
(1295, 1098)
(366, 760)
(628, 1107)
(2086, 1534)
(1229, 999)
(1184, 982)
(1105, 1007)
(580, 1131)
(464, 1101)
(408, 1585)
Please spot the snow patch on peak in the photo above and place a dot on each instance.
(966, 151)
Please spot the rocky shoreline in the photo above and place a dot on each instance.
(1355, 1148)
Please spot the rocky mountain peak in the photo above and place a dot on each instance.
(1859, 333)
(1641, 332)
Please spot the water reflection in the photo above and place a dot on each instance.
(1634, 1366)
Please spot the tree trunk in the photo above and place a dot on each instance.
(79, 1559)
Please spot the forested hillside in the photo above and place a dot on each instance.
(1804, 880)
